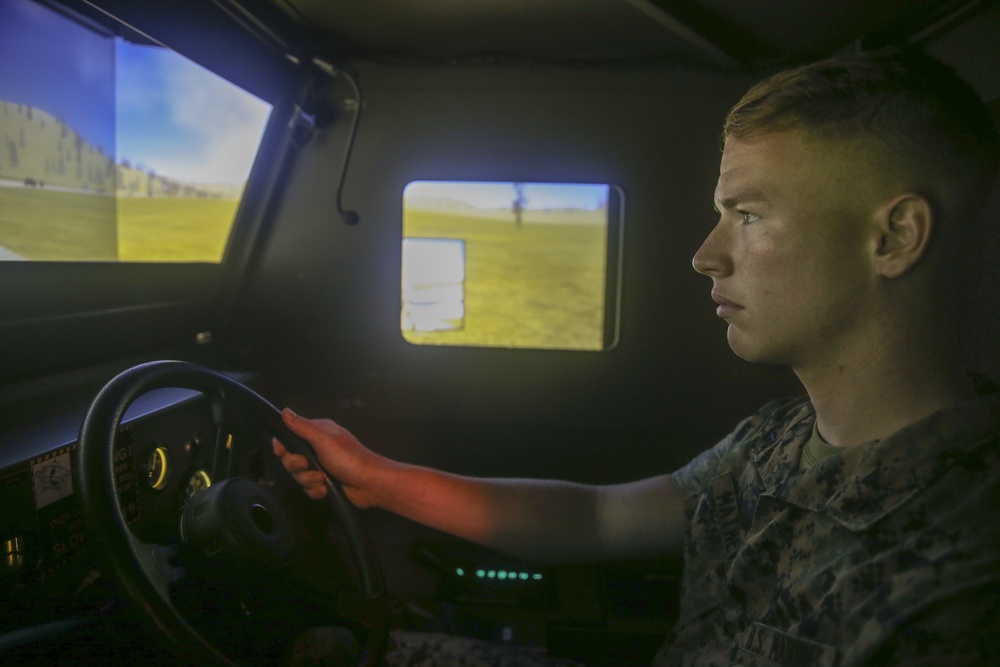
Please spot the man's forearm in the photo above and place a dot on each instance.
(538, 520)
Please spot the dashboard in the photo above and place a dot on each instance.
(169, 448)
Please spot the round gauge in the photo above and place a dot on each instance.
(199, 480)
(158, 468)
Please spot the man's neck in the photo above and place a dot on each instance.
(878, 391)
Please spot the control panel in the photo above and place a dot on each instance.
(164, 454)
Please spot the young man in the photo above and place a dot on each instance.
(853, 526)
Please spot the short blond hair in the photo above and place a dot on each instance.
(905, 110)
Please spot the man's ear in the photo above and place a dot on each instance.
(904, 225)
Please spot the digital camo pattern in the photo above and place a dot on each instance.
(884, 554)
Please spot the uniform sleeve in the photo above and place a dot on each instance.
(731, 451)
(714, 461)
(694, 476)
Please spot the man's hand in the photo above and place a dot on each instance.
(338, 451)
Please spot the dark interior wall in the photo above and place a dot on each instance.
(330, 343)
(973, 49)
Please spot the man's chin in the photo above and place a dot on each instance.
(748, 350)
(739, 344)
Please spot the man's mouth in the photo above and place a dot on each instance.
(726, 307)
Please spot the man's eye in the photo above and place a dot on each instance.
(749, 217)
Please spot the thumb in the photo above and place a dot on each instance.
(300, 426)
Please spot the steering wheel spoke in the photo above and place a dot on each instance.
(159, 562)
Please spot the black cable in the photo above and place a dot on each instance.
(258, 28)
(349, 217)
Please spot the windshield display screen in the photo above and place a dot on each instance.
(112, 151)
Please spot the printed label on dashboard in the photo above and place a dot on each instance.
(53, 477)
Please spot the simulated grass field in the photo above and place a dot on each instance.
(182, 229)
(51, 225)
(537, 286)
(43, 224)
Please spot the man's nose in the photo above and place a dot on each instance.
(713, 258)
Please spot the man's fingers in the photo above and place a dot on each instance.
(295, 462)
(292, 462)
(310, 478)
(315, 492)
(312, 481)
(279, 449)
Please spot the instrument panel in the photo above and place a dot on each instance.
(169, 448)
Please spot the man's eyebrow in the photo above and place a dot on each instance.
(747, 197)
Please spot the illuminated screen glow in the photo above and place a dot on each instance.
(114, 151)
(433, 284)
(513, 265)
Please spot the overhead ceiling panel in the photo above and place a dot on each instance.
(753, 35)
(780, 32)
(581, 29)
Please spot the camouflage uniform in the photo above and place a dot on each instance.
(886, 553)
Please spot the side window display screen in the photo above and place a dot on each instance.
(113, 151)
(513, 265)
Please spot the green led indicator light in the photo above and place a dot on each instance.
(480, 573)
(492, 574)
(523, 575)
(536, 577)
(459, 571)
(501, 574)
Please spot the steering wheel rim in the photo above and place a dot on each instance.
(132, 561)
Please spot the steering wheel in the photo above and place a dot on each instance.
(235, 520)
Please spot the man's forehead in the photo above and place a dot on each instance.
(782, 145)
(749, 168)
(738, 182)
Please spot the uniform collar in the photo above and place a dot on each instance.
(864, 483)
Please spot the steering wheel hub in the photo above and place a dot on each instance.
(238, 521)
